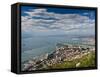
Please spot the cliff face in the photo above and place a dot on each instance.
(63, 53)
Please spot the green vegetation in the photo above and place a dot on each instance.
(85, 61)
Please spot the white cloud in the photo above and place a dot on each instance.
(42, 21)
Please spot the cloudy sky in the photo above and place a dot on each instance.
(56, 21)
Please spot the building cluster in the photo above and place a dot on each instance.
(62, 53)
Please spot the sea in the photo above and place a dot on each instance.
(39, 45)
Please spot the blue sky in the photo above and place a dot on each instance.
(62, 11)
(55, 21)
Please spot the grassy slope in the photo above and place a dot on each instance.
(86, 61)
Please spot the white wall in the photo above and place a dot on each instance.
(5, 42)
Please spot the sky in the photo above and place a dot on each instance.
(36, 21)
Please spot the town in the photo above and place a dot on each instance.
(61, 54)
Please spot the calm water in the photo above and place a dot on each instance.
(36, 46)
